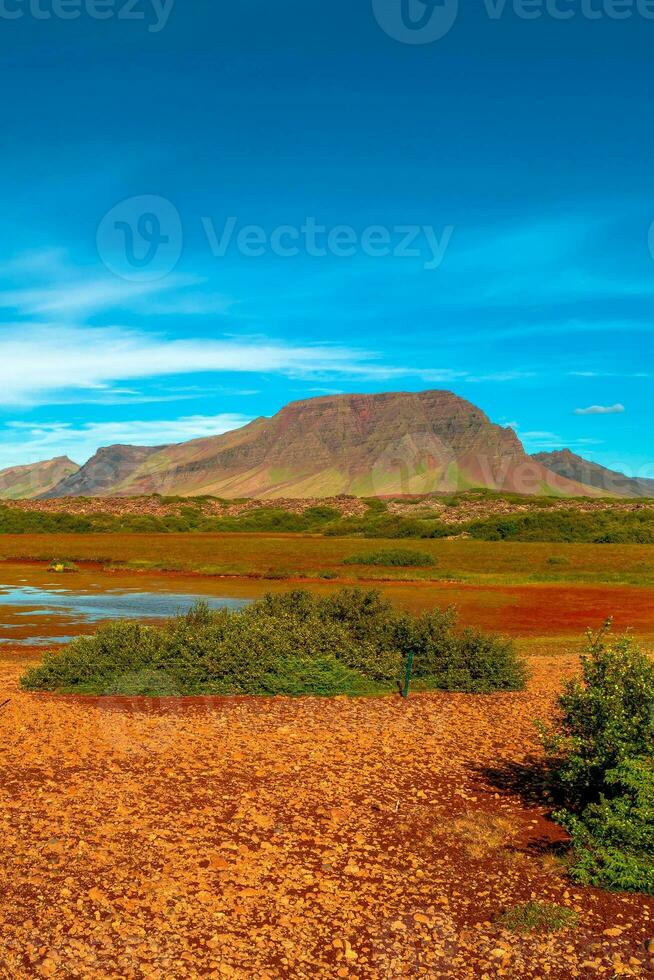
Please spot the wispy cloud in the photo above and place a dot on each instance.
(46, 284)
(541, 440)
(30, 443)
(79, 298)
(499, 376)
(38, 361)
(601, 410)
(46, 363)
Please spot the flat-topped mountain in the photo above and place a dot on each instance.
(34, 479)
(573, 467)
(394, 443)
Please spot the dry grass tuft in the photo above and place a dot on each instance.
(483, 833)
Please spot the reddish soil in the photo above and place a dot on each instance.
(541, 610)
(248, 838)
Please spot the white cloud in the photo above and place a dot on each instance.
(25, 442)
(500, 376)
(51, 363)
(89, 297)
(37, 362)
(46, 284)
(601, 410)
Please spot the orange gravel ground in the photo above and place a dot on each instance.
(288, 838)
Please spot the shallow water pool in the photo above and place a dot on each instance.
(54, 612)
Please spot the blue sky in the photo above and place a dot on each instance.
(471, 213)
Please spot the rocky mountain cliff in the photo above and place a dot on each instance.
(394, 443)
(109, 467)
(567, 464)
(35, 479)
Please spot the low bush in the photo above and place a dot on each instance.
(470, 661)
(605, 718)
(400, 557)
(568, 524)
(613, 840)
(602, 765)
(351, 642)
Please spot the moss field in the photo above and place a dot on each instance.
(311, 556)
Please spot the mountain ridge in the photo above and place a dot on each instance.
(31, 480)
(571, 466)
(110, 463)
(358, 444)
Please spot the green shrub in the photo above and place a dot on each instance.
(143, 683)
(295, 604)
(364, 612)
(538, 917)
(613, 840)
(379, 524)
(602, 765)
(321, 514)
(92, 663)
(469, 661)
(375, 505)
(606, 717)
(401, 557)
(353, 641)
(567, 524)
(14, 521)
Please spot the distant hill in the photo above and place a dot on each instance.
(97, 478)
(572, 467)
(384, 444)
(34, 479)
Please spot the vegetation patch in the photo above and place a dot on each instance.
(484, 834)
(613, 840)
(543, 917)
(602, 765)
(352, 642)
(61, 565)
(598, 527)
(482, 515)
(400, 557)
